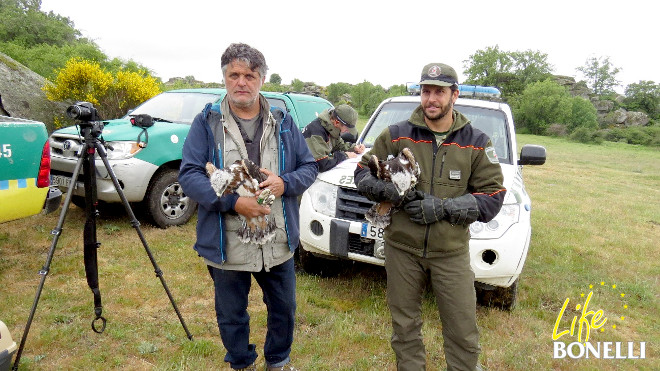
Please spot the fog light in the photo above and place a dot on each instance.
(489, 256)
(316, 227)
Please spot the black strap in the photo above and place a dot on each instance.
(90, 244)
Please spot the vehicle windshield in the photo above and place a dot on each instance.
(492, 122)
(175, 107)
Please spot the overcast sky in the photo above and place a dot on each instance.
(384, 42)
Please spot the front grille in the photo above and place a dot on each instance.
(351, 205)
(67, 146)
(359, 245)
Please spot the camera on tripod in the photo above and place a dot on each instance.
(88, 116)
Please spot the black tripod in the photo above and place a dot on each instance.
(91, 132)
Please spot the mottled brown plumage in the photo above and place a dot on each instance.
(403, 171)
(243, 177)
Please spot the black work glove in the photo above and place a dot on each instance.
(378, 190)
(461, 210)
(428, 210)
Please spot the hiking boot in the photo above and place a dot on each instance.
(251, 367)
(287, 367)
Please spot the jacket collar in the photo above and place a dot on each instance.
(326, 122)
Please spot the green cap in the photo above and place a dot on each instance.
(438, 74)
(348, 116)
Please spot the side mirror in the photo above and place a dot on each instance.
(532, 154)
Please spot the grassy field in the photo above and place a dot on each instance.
(596, 228)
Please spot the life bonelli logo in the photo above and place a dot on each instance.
(571, 336)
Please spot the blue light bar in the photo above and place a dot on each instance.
(464, 90)
(478, 91)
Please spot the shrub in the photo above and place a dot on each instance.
(82, 80)
(585, 135)
(557, 130)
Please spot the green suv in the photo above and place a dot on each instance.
(25, 170)
(146, 161)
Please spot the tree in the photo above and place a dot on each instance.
(275, 79)
(644, 96)
(542, 104)
(583, 115)
(111, 94)
(600, 75)
(24, 23)
(297, 85)
(509, 71)
(545, 103)
(46, 59)
(337, 90)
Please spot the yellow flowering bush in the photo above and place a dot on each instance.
(111, 94)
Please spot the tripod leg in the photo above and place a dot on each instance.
(44, 270)
(136, 224)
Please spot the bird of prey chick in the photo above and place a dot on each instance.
(403, 171)
(243, 177)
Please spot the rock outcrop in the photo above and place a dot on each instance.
(21, 94)
(607, 111)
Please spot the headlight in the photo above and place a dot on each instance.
(122, 150)
(324, 197)
(508, 216)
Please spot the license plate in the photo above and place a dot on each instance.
(60, 181)
(371, 231)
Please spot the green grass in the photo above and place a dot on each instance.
(596, 218)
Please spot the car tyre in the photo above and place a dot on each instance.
(78, 201)
(313, 264)
(504, 298)
(165, 201)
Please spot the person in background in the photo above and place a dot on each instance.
(244, 126)
(324, 136)
(460, 182)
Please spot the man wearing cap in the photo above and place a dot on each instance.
(428, 243)
(323, 136)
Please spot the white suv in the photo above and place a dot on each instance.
(332, 223)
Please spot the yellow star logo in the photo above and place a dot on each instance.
(613, 286)
(622, 318)
(625, 307)
(602, 283)
(622, 294)
(582, 294)
(591, 286)
(613, 326)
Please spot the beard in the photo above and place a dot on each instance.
(443, 112)
(242, 103)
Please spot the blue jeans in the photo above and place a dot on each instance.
(231, 300)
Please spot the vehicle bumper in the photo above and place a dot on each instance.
(495, 262)
(132, 174)
(53, 200)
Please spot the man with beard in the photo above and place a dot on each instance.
(460, 182)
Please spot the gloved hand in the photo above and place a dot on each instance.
(379, 190)
(428, 210)
(461, 210)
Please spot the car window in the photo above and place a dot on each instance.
(180, 107)
(389, 114)
(492, 122)
(274, 102)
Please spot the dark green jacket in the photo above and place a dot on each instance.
(458, 166)
(325, 142)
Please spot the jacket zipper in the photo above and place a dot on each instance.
(442, 165)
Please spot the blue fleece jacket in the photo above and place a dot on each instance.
(297, 169)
